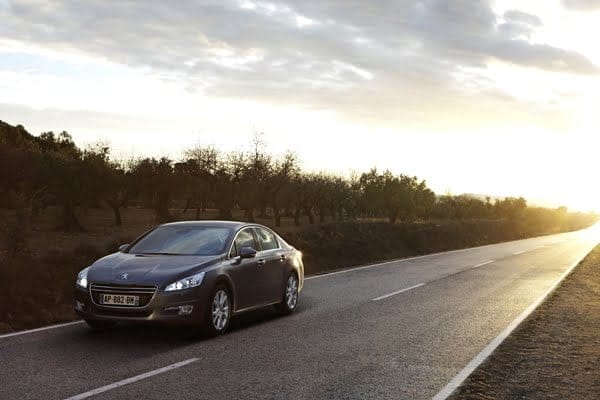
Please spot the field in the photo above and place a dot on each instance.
(36, 283)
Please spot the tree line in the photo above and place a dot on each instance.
(51, 170)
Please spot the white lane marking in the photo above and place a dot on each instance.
(482, 264)
(132, 379)
(520, 252)
(385, 296)
(485, 353)
(44, 328)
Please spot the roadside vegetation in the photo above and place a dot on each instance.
(61, 207)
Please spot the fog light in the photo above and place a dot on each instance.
(79, 306)
(181, 310)
(185, 310)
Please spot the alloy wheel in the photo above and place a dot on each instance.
(220, 309)
(291, 292)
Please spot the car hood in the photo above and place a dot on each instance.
(158, 270)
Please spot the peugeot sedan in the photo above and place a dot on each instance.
(196, 273)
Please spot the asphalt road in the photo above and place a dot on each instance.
(397, 330)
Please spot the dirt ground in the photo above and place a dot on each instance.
(555, 353)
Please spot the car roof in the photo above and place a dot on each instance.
(211, 223)
(233, 225)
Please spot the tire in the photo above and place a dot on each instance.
(289, 300)
(218, 311)
(98, 325)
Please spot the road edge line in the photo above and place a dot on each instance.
(43, 328)
(489, 349)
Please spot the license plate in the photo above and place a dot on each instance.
(119, 300)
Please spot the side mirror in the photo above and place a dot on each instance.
(247, 252)
(123, 247)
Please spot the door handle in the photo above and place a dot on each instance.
(261, 261)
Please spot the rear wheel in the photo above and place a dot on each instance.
(290, 295)
(218, 313)
(99, 325)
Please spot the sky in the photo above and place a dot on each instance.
(475, 96)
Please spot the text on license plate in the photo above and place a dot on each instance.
(120, 299)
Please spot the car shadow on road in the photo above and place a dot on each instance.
(144, 339)
(264, 316)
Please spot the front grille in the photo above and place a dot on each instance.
(145, 292)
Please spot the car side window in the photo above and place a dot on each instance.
(267, 239)
(244, 239)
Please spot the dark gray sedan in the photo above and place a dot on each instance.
(198, 273)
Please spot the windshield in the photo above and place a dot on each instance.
(183, 240)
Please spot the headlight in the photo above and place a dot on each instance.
(186, 283)
(82, 278)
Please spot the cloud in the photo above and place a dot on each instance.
(384, 60)
(468, 30)
(523, 17)
(581, 5)
(519, 25)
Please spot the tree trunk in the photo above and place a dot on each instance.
(297, 217)
(225, 213)
(162, 208)
(249, 213)
(117, 214)
(276, 215)
(115, 206)
(263, 212)
(70, 221)
(322, 215)
(392, 216)
(188, 202)
(310, 215)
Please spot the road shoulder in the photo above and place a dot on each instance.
(555, 352)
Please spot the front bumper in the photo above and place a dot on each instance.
(163, 308)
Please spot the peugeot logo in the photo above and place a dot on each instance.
(124, 277)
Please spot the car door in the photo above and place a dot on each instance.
(272, 262)
(246, 273)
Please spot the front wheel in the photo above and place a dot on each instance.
(290, 295)
(219, 312)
